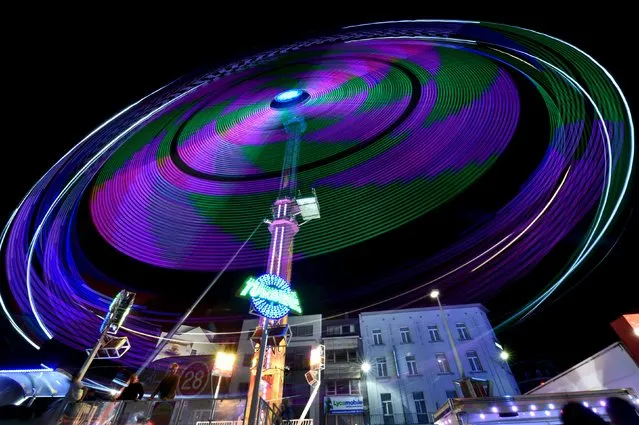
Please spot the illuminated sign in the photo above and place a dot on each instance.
(271, 296)
(343, 404)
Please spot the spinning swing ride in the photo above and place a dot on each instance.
(386, 121)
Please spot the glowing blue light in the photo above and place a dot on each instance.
(46, 369)
(271, 296)
(289, 95)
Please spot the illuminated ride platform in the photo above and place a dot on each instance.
(527, 409)
(19, 385)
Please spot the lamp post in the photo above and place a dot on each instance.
(365, 368)
(223, 368)
(435, 294)
(314, 376)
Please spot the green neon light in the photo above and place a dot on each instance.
(256, 289)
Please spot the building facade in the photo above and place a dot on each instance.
(306, 335)
(413, 369)
(342, 397)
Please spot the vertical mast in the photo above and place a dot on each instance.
(283, 229)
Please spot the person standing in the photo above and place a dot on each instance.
(168, 386)
(574, 413)
(621, 412)
(133, 391)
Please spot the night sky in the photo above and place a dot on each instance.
(68, 74)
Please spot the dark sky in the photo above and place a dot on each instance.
(68, 71)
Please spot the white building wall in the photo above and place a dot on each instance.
(428, 379)
(241, 373)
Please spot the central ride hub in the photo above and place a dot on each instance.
(289, 98)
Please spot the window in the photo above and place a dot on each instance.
(412, 365)
(382, 370)
(462, 331)
(387, 408)
(341, 356)
(433, 331)
(352, 356)
(473, 359)
(342, 386)
(330, 387)
(442, 361)
(300, 362)
(306, 330)
(420, 407)
(248, 359)
(333, 330)
(451, 394)
(405, 334)
(329, 356)
(355, 386)
(377, 337)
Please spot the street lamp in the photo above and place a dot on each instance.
(223, 367)
(317, 355)
(504, 355)
(435, 294)
(314, 376)
(365, 367)
(224, 363)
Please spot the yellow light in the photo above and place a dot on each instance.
(504, 355)
(224, 363)
(316, 357)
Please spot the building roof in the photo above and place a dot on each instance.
(422, 309)
(616, 345)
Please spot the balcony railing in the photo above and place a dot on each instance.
(402, 419)
(219, 423)
(298, 422)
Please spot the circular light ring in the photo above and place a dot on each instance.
(151, 209)
(362, 111)
(268, 308)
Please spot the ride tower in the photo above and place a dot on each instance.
(272, 333)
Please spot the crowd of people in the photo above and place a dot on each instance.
(134, 390)
(620, 412)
